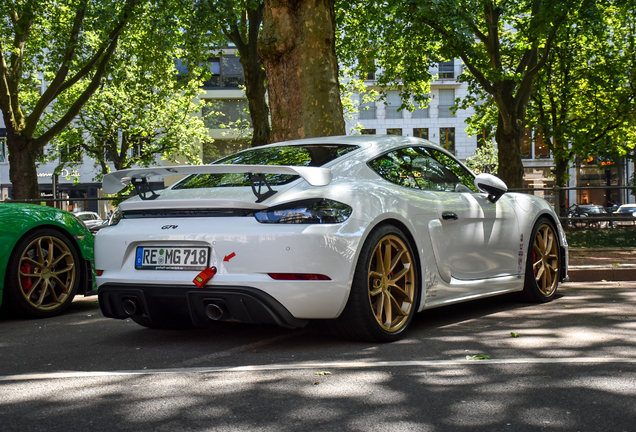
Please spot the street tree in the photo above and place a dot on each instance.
(297, 48)
(503, 46)
(143, 111)
(584, 103)
(239, 21)
(47, 48)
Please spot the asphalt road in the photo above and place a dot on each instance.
(571, 368)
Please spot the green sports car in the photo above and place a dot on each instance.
(45, 259)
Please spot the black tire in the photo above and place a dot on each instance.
(381, 303)
(43, 274)
(543, 263)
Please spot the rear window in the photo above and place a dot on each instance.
(304, 156)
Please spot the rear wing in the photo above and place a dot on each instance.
(118, 180)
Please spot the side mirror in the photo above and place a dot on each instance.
(493, 186)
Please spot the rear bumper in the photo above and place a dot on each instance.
(202, 306)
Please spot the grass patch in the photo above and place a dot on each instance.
(601, 237)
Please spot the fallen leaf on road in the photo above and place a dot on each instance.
(513, 334)
(478, 357)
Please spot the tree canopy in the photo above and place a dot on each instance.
(46, 48)
(503, 46)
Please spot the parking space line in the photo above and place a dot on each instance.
(319, 365)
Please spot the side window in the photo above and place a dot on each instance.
(462, 175)
(423, 168)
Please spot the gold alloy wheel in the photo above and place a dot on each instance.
(545, 260)
(47, 273)
(391, 283)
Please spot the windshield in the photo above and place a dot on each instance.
(313, 155)
(594, 210)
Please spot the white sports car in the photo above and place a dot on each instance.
(364, 231)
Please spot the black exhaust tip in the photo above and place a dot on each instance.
(130, 306)
(214, 311)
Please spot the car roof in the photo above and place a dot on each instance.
(375, 143)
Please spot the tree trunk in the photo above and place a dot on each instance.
(560, 177)
(256, 95)
(297, 48)
(509, 153)
(23, 173)
(247, 45)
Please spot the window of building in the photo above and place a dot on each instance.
(539, 178)
(484, 136)
(446, 101)
(3, 145)
(420, 133)
(69, 153)
(393, 102)
(541, 149)
(108, 143)
(447, 69)
(227, 73)
(367, 131)
(420, 113)
(219, 112)
(137, 143)
(447, 139)
(366, 108)
(368, 67)
(394, 131)
(599, 171)
(212, 151)
(526, 145)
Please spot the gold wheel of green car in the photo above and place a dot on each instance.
(47, 273)
(391, 281)
(545, 260)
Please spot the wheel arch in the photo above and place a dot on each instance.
(563, 246)
(83, 288)
(414, 245)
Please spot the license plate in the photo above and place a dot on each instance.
(172, 258)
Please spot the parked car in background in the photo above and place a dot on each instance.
(628, 211)
(590, 212)
(363, 231)
(45, 259)
(90, 219)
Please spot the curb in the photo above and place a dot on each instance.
(621, 272)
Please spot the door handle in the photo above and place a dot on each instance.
(449, 216)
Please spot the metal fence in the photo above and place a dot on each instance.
(577, 216)
(568, 215)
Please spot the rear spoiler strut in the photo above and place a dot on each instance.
(118, 180)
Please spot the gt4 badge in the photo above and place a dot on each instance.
(169, 227)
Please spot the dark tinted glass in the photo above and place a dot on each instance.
(424, 168)
(304, 156)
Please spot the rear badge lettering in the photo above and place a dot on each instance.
(165, 227)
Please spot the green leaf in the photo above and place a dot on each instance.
(478, 357)
(323, 373)
(515, 335)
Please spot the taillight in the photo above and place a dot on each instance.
(315, 211)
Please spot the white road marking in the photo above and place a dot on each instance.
(321, 365)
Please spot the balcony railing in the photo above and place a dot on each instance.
(445, 111)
